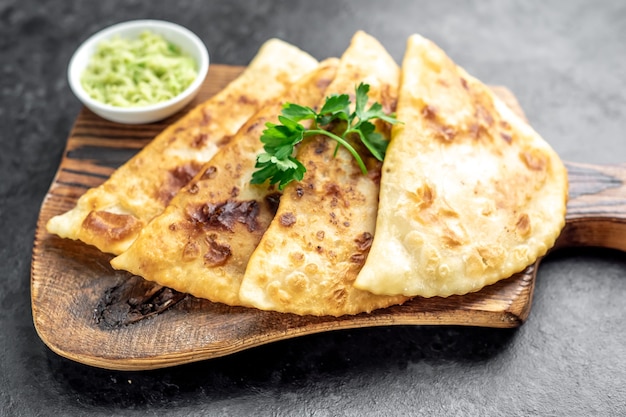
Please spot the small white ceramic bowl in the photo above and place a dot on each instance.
(178, 35)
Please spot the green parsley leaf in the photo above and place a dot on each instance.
(373, 141)
(361, 100)
(297, 112)
(336, 105)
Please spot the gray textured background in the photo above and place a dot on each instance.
(565, 61)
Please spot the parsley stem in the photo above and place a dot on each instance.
(343, 142)
(278, 164)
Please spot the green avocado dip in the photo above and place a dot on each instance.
(137, 72)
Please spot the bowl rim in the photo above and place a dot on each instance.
(73, 74)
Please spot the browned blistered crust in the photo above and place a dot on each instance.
(202, 242)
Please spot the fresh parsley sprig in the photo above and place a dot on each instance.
(278, 165)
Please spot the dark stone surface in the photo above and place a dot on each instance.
(566, 62)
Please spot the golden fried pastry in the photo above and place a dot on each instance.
(470, 194)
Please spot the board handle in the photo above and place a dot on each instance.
(596, 209)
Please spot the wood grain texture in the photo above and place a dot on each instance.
(70, 280)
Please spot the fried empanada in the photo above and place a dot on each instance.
(470, 194)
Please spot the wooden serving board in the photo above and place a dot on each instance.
(86, 311)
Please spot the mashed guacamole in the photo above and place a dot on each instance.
(138, 72)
